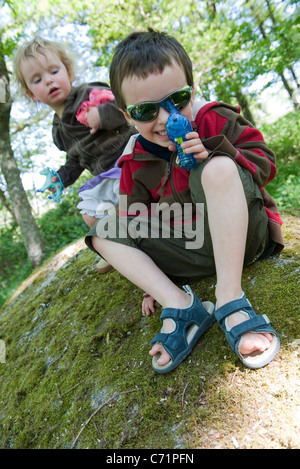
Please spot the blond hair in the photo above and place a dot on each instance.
(33, 49)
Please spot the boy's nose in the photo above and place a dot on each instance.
(163, 115)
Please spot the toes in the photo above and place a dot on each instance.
(268, 336)
(157, 348)
(164, 356)
(252, 342)
(266, 340)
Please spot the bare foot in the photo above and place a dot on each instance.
(168, 326)
(251, 341)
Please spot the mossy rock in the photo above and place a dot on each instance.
(77, 371)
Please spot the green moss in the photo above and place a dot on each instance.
(75, 339)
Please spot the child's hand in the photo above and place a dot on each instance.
(148, 306)
(51, 189)
(192, 144)
(93, 119)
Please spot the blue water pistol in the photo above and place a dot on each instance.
(57, 185)
(177, 127)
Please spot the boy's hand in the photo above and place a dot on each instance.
(93, 119)
(192, 144)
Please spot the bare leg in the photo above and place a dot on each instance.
(139, 269)
(228, 224)
(102, 266)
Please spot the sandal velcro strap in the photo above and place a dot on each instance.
(250, 325)
(232, 307)
(168, 341)
(173, 313)
(189, 325)
(175, 342)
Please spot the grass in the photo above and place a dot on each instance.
(81, 342)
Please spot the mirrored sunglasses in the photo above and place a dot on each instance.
(147, 112)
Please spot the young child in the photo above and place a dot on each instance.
(92, 136)
(240, 220)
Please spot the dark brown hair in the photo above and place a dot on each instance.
(143, 53)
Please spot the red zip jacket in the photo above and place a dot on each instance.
(147, 178)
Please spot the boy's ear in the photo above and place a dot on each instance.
(127, 117)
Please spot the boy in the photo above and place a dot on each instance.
(240, 221)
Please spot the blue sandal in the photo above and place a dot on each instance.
(189, 325)
(253, 323)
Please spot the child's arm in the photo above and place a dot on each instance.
(106, 116)
(93, 120)
(100, 111)
(70, 171)
(111, 117)
(225, 132)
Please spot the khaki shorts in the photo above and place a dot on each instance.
(182, 255)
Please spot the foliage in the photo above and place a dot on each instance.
(62, 224)
(283, 137)
(230, 43)
(14, 262)
(59, 226)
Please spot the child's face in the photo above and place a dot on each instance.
(47, 79)
(154, 88)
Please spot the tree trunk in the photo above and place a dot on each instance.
(21, 207)
(243, 102)
(7, 205)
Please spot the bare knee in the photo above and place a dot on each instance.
(97, 244)
(89, 220)
(219, 170)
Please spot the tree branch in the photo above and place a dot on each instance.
(22, 125)
(97, 410)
